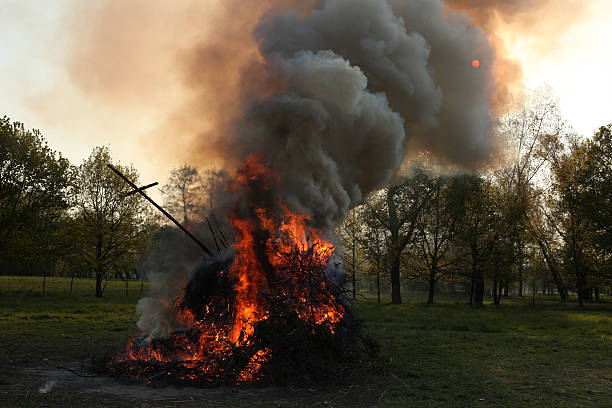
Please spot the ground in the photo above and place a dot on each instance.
(446, 355)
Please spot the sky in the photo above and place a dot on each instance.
(45, 83)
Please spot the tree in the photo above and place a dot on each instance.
(351, 231)
(372, 243)
(568, 216)
(596, 200)
(436, 231)
(182, 193)
(396, 210)
(484, 220)
(33, 194)
(531, 133)
(108, 230)
(214, 183)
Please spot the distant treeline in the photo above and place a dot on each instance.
(59, 219)
(539, 218)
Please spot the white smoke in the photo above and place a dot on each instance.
(47, 387)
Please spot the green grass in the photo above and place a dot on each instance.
(512, 355)
(446, 355)
(62, 324)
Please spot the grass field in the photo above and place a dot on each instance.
(446, 355)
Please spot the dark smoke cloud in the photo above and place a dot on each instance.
(361, 81)
(333, 93)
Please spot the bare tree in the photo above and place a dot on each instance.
(182, 192)
(532, 133)
(351, 231)
(214, 183)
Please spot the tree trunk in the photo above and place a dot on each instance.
(44, 282)
(472, 291)
(353, 264)
(494, 291)
(432, 287)
(378, 284)
(553, 271)
(71, 280)
(478, 287)
(396, 296)
(98, 284)
(499, 292)
(477, 283)
(520, 278)
(478, 291)
(126, 284)
(506, 284)
(396, 251)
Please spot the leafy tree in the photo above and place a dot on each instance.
(436, 231)
(372, 243)
(34, 182)
(484, 221)
(396, 211)
(568, 214)
(109, 231)
(596, 200)
(193, 196)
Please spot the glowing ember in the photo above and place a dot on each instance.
(277, 293)
(475, 63)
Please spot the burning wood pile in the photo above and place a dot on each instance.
(269, 310)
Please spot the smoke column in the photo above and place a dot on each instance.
(351, 85)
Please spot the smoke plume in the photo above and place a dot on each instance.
(352, 85)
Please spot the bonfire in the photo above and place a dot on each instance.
(269, 309)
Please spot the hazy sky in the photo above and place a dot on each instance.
(39, 87)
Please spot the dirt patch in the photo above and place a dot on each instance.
(72, 385)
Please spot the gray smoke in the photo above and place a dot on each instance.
(362, 82)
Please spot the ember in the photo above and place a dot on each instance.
(268, 310)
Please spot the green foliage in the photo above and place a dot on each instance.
(596, 199)
(109, 231)
(33, 195)
(395, 212)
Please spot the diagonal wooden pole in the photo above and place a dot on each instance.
(171, 218)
